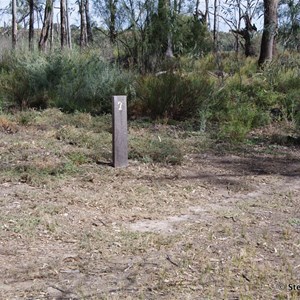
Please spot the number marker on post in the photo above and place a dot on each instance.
(120, 140)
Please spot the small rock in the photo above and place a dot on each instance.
(54, 293)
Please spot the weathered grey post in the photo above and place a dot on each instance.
(120, 140)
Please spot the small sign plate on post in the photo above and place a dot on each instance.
(120, 139)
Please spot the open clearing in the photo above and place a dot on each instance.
(222, 225)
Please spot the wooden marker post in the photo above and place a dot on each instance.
(120, 140)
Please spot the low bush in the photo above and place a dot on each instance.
(239, 121)
(24, 81)
(235, 113)
(173, 95)
(249, 98)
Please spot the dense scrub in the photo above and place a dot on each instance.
(233, 98)
(70, 81)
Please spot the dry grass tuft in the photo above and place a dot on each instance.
(8, 126)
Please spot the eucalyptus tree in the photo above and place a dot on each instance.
(268, 42)
(202, 14)
(14, 23)
(215, 25)
(237, 12)
(151, 31)
(63, 29)
(83, 27)
(31, 24)
(69, 36)
(289, 23)
(111, 17)
(23, 14)
(90, 37)
(47, 25)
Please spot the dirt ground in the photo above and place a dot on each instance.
(222, 225)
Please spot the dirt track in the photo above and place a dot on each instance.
(216, 227)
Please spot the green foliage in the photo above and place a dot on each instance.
(239, 121)
(192, 37)
(241, 105)
(70, 81)
(159, 29)
(88, 84)
(246, 99)
(283, 79)
(23, 80)
(1, 104)
(173, 95)
(289, 29)
(165, 30)
(238, 100)
(297, 119)
(26, 117)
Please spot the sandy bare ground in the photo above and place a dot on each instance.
(218, 226)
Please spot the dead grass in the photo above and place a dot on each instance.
(7, 126)
(219, 225)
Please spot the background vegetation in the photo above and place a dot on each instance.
(243, 97)
(173, 65)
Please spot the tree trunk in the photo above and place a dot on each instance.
(206, 13)
(47, 24)
(269, 32)
(83, 31)
(170, 20)
(163, 34)
(200, 14)
(14, 24)
(169, 52)
(31, 25)
(69, 36)
(63, 31)
(237, 40)
(215, 29)
(88, 22)
(247, 35)
(112, 21)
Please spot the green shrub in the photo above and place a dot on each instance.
(173, 95)
(239, 107)
(88, 83)
(240, 118)
(289, 85)
(23, 81)
(70, 81)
